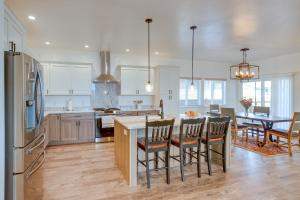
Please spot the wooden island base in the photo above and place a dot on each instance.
(128, 129)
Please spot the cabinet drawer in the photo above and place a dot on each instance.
(77, 116)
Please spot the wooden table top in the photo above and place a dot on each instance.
(251, 116)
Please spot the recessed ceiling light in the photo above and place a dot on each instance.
(86, 46)
(156, 53)
(31, 17)
(127, 50)
(47, 43)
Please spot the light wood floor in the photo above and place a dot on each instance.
(87, 172)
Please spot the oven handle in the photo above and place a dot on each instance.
(38, 166)
(29, 151)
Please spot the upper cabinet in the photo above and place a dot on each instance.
(134, 79)
(67, 79)
(167, 84)
(13, 31)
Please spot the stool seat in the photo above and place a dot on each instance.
(176, 140)
(141, 142)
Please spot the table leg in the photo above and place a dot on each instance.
(267, 126)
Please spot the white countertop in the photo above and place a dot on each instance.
(138, 122)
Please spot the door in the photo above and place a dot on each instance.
(60, 80)
(69, 130)
(38, 97)
(54, 128)
(81, 80)
(86, 129)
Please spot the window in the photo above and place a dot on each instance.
(205, 92)
(214, 92)
(258, 91)
(187, 96)
(274, 92)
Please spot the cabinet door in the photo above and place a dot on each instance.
(46, 75)
(143, 79)
(69, 130)
(171, 104)
(60, 80)
(86, 129)
(81, 80)
(128, 82)
(14, 35)
(45, 129)
(169, 80)
(54, 128)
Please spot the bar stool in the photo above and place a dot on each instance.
(157, 139)
(189, 137)
(216, 133)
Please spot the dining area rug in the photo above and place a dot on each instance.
(271, 149)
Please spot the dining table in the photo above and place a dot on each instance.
(266, 121)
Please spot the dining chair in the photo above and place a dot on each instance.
(214, 108)
(257, 127)
(286, 134)
(216, 133)
(235, 127)
(157, 139)
(189, 137)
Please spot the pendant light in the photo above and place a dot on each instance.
(244, 71)
(149, 86)
(192, 87)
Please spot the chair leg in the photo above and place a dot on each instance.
(224, 157)
(191, 158)
(167, 165)
(199, 160)
(208, 154)
(184, 156)
(246, 135)
(147, 169)
(182, 163)
(156, 160)
(290, 147)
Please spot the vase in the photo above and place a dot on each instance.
(246, 111)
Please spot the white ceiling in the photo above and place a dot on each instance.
(268, 27)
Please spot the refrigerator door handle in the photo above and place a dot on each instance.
(35, 168)
(29, 151)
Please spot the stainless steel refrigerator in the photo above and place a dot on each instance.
(24, 114)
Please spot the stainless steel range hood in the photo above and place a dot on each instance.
(105, 76)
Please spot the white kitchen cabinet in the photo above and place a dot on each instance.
(167, 88)
(60, 80)
(81, 80)
(134, 79)
(13, 31)
(67, 79)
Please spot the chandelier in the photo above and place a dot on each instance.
(244, 71)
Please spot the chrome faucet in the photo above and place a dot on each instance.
(161, 105)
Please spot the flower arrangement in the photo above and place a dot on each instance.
(246, 103)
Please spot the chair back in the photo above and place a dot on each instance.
(158, 132)
(214, 108)
(295, 125)
(261, 110)
(191, 129)
(229, 112)
(217, 127)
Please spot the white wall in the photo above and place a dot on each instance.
(2, 136)
(203, 69)
(283, 65)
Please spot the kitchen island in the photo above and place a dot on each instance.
(128, 129)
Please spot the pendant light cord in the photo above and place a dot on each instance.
(193, 38)
(148, 51)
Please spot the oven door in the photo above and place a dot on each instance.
(104, 129)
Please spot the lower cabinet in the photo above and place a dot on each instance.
(71, 128)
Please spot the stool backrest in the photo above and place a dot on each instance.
(158, 132)
(295, 125)
(214, 108)
(217, 127)
(261, 110)
(191, 129)
(229, 112)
